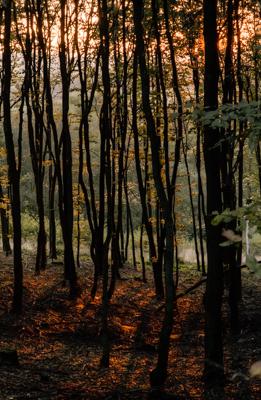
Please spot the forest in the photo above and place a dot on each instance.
(130, 183)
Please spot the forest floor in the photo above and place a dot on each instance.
(59, 350)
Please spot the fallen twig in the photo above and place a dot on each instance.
(187, 291)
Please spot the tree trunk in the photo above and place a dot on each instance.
(157, 275)
(52, 224)
(67, 224)
(159, 374)
(214, 287)
(228, 181)
(105, 176)
(13, 167)
(5, 226)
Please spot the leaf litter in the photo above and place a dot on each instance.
(59, 350)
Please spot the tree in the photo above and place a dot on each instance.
(159, 374)
(227, 170)
(14, 165)
(4, 223)
(105, 176)
(66, 64)
(214, 287)
(35, 125)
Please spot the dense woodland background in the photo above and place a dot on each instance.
(130, 150)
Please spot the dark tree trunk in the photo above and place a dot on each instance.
(241, 142)
(5, 226)
(157, 274)
(35, 130)
(13, 166)
(50, 131)
(67, 225)
(179, 133)
(41, 257)
(130, 223)
(214, 288)
(201, 198)
(159, 374)
(228, 180)
(52, 223)
(78, 228)
(122, 116)
(175, 84)
(195, 236)
(258, 158)
(143, 265)
(105, 177)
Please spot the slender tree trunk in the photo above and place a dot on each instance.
(258, 158)
(52, 223)
(32, 58)
(179, 134)
(129, 215)
(157, 273)
(41, 258)
(159, 374)
(201, 199)
(51, 132)
(214, 287)
(192, 207)
(143, 266)
(13, 166)
(5, 226)
(241, 142)
(67, 225)
(228, 181)
(105, 176)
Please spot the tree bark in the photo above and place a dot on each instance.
(214, 287)
(5, 226)
(13, 166)
(159, 374)
(228, 180)
(67, 225)
(157, 274)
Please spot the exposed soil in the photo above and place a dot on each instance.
(58, 346)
